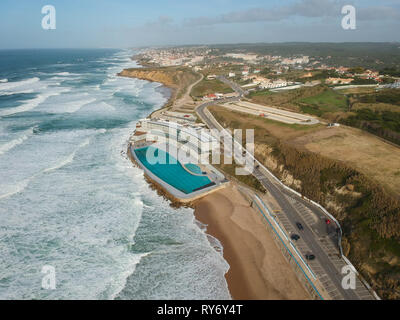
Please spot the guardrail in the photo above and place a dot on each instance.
(287, 238)
(290, 253)
(354, 86)
(330, 216)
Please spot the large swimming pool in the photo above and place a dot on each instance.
(172, 172)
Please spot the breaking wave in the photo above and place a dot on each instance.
(73, 200)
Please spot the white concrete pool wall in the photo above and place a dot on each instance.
(159, 134)
(183, 197)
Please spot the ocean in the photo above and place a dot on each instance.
(70, 198)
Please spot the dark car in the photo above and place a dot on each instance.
(295, 237)
(310, 256)
(299, 226)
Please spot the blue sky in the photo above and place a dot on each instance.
(131, 23)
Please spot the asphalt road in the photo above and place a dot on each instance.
(233, 85)
(309, 235)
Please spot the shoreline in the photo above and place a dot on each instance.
(257, 269)
(158, 75)
(165, 91)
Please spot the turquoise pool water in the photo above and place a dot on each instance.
(194, 168)
(172, 172)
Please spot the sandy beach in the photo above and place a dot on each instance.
(258, 269)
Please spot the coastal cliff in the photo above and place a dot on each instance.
(368, 213)
(178, 79)
(164, 76)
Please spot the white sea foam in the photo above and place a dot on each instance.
(21, 185)
(120, 280)
(13, 143)
(63, 163)
(63, 74)
(70, 106)
(97, 108)
(3, 80)
(62, 64)
(15, 188)
(69, 159)
(82, 208)
(26, 106)
(32, 103)
(24, 86)
(15, 84)
(10, 93)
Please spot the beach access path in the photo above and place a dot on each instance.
(186, 99)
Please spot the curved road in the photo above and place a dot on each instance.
(329, 271)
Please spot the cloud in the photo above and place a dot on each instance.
(305, 8)
(161, 22)
(230, 28)
(302, 8)
(378, 13)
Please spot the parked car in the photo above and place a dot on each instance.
(310, 257)
(299, 226)
(295, 237)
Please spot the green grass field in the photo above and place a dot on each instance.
(210, 86)
(327, 101)
(259, 93)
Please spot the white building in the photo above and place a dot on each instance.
(193, 136)
(244, 56)
(302, 60)
(273, 85)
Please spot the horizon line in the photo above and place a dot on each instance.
(208, 45)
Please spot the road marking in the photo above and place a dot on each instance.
(281, 188)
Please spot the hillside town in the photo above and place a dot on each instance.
(254, 71)
(316, 112)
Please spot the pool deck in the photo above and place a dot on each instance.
(175, 193)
